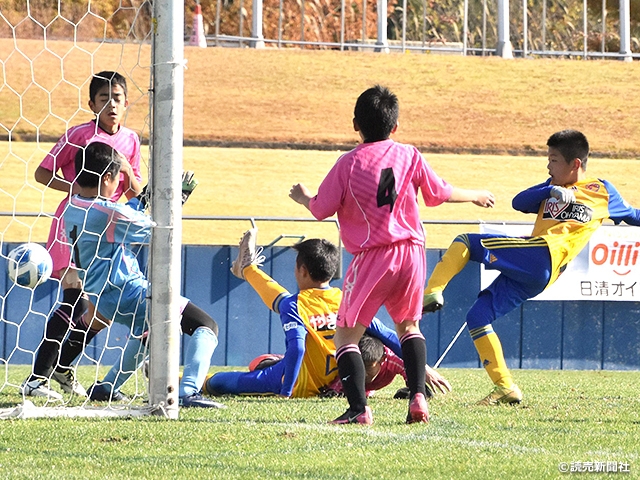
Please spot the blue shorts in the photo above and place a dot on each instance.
(259, 382)
(524, 264)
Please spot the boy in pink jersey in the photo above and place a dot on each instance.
(108, 100)
(374, 191)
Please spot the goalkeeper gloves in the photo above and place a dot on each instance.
(189, 183)
(563, 195)
(143, 196)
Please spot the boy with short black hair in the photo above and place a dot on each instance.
(308, 319)
(570, 207)
(373, 189)
(101, 233)
(108, 101)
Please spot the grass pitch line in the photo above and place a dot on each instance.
(426, 434)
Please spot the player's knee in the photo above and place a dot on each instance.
(194, 317)
(481, 313)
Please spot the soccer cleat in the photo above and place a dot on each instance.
(247, 253)
(196, 400)
(38, 388)
(510, 396)
(189, 184)
(68, 382)
(363, 418)
(264, 361)
(102, 392)
(418, 409)
(432, 302)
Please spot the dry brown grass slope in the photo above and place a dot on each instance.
(448, 103)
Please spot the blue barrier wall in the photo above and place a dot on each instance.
(546, 335)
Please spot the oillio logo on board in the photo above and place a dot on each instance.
(619, 257)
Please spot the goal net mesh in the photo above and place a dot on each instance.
(49, 52)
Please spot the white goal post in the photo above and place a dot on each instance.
(150, 56)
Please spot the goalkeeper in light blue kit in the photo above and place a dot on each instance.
(101, 232)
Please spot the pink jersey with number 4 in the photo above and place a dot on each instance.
(374, 190)
(61, 159)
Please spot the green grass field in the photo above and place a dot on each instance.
(566, 416)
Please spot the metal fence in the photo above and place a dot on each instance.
(553, 28)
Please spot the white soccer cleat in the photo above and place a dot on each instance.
(68, 382)
(248, 254)
(39, 388)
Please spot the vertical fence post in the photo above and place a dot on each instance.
(342, 18)
(585, 33)
(484, 27)
(603, 42)
(218, 9)
(280, 24)
(625, 31)
(256, 25)
(382, 45)
(364, 22)
(525, 29)
(504, 48)
(465, 29)
(404, 26)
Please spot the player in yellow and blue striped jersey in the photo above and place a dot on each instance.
(570, 207)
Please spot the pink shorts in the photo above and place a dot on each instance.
(393, 276)
(57, 244)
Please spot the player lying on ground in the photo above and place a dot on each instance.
(374, 190)
(382, 365)
(101, 233)
(570, 207)
(308, 319)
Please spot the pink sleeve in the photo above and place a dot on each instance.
(135, 160)
(61, 157)
(435, 190)
(330, 193)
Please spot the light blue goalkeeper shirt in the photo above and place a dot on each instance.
(100, 233)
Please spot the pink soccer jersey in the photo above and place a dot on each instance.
(62, 158)
(374, 189)
(62, 155)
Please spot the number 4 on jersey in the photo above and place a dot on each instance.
(387, 189)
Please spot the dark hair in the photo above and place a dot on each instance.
(320, 256)
(571, 144)
(376, 113)
(371, 348)
(94, 161)
(101, 79)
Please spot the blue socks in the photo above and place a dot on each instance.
(197, 360)
(132, 357)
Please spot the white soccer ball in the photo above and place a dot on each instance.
(29, 265)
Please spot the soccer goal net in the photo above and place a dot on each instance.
(50, 52)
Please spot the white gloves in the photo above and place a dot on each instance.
(563, 195)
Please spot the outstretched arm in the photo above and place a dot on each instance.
(437, 381)
(619, 209)
(481, 198)
(300, 194)
(295, 334)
